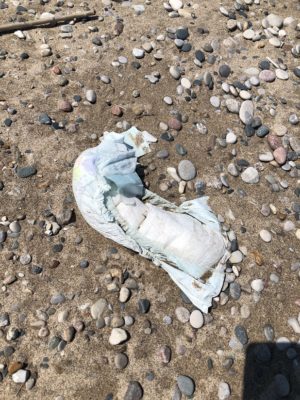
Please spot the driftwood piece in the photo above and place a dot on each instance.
(42, 22)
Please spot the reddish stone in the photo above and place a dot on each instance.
(116, 110)
(274, 141)
(280, 155)
(175, 124)
(56, 70)
(65, 106)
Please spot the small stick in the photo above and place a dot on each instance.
(40, 22)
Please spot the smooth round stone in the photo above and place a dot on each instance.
(186, 83)
(65, 106)
(236, 257)
(117, 336)
(25, 259)
(282, 385)
(186, 385)
(196, 319)
(186, 47)
(186, 170)
(134, 390)
(168, 100)
(279, 130)
(123, 60)
(262, 131)
(182, 314)
(254, 80)
(249, 34)
(162, 154)
(138, 53)
(215, 101)
(224, 71)
(176, 4)
(233, 106)
(295, 143)
(274, 20)
(264, 64)
(182, 33)
(175, 72)
(267, 75)
(280, 155)
(257, 285)
(266, 157)
(281, 74)
(175, 124)
(231, 137)
(232, 169)
(245, 311)
(265, 235)
(15, 227)
(252, 71)
(121, 361)
(250, 175)
(179, 43)
(223, 391)
(246, 112)
(91, 96)
(274, 41)
(124, 294)
(200, 56)
(245, 95)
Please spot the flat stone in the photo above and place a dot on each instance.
(262, 131)
(64, 105)
(265, 235)
(175, 72)
(164, 354)
(196, 319)
(144, 306)
(280, 130)
(274, 141)
(274, 41)
(281, 74)
(250, 175)
(186, 170)
(267, 75)
(266, 157)
(117, 336)
(295, 143)
(124, 294)
(215, 101)
(57, 298)
(246, 112)
(45, 119)
(186, 385)
(176, 4)
(134, 391)
(200, 56)
(26, 172)
(236, 257)
(235, 290)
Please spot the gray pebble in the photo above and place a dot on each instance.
(241, 334)
(186, 170)
(134, 391)
(186, 385)
(26, 172)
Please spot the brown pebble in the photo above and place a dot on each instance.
(274, 141)
(54, 264)
(56, 70)
(116, 110)
(164, 354)
(65, 105)
(258, 257)
(280, 155)
(14, 367)
(175, 124)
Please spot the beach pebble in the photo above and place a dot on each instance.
(196, 319)
(223, 391)
(117, 336)
(246, 112)
(257, 285)
(182, 314)
(265, 235)
(186, 385)
(186, 170)
(250, 175)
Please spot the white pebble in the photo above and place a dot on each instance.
(265, 235)
(196, 319)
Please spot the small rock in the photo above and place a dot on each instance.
(182, 314)
(250, 175)
(91, 96)
(134, 391)
(257, 285)
(223, 391)
(20, 376)
(121, 361)
(246, 112)
(196, 319)
(98, 308)
(26, 172)
(265, 235)
(186, 385)
(117, 336)
(186, 170)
